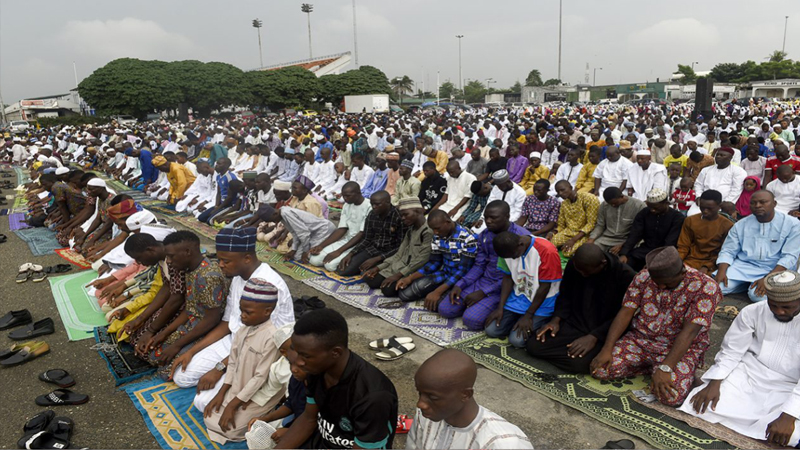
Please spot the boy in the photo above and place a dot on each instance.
(683, 197)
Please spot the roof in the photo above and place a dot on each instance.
(48, 96)
(321, 65)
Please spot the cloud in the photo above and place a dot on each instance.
(368, 21)
(675, 35)
(129, 37)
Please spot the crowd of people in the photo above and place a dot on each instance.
(599, 238)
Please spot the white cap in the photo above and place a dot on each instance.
(96, 182)
(535, 155)
(643, 153)
(138, 219)
(159, 232)
(41, 158)
(62, 171)
(48, 146)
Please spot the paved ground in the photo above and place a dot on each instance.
(109, 420)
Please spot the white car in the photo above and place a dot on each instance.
(19, 126)
(126, 121)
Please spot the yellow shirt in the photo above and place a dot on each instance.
(585, 181)
(180, 178)
(440, 160)
(531, 176)
(670, 159)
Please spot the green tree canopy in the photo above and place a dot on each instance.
(517, 88)
(449, 90)
(727, 72)
(552, 82)
(209, 86)
(285, 87)
(777, 56)
(534, 78)
(362, 81)
(688, 74)
(474, 92)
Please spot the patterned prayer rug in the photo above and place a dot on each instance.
(79, 312)
(20, 204)
(74, 257)
(16, 221)
(41, 241)
(193, 224)
(610, 402)
(330, 275)
(411, 316)
(22, 175)
(119, 357)
(275, 260)
(163, 209)
(171, 417)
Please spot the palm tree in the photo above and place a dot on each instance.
(401, 85)
(777, 56)
(534, 78)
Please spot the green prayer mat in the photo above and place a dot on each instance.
(610, 402)
(79, 312)
(275, 260)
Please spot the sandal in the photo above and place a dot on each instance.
(59, 377)
(393, 341)
(3, 238)
(393, 353)
(391, 304)
(23, 276)
(44, 439)
(61, 397)
(28, 267)
(36, 424)
(58, 268)
(27, 353)
(38, 277)
(61, 427)
(622, 443)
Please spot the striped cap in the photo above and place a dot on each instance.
(239, 240)
(259, 290)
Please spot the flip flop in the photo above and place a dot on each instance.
(58, 268)
(62, 397)
(61, 428)
(393, 353)
(38, 277)
(30, 267)
(43, 439)
(622, 443)
(27, 353)
(393, 341)
(59, 377)
(3, 238)
(40, 328)
(36, 424)
(23, 276)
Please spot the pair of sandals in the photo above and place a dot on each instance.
(21, 353)
(392, 348)
(37, 273)
(46, 431)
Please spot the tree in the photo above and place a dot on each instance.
(362, 81)
(448, 90)
(517, 88)
(777, 56)
(688, 74)
(401, 86)
(727, 72)
(474, 92)
(552, 82)
(534, 78)
(209, 86)
(286, 87)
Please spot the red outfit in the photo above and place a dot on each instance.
(773, 163)
(661, 316)
(687, 196)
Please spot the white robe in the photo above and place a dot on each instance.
(361, 176)
(787, 195)
(728, 181)
(457, 190)
(759, 364)
(515, 198)
(612, 173)
(642, 181)
(566, 172)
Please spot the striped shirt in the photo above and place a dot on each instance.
(487, 431)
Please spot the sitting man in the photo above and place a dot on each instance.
(765, 242)
(669, 309)
(477, 294)
(540, 210)
(453, 251)
(506, 190)
(455, 199)
(179, 176)
(382, 235)
(656, 226)
(786, 189)
(307, 230)
(576, 218)
(350, 232)
(477, 203)
(407, 186)
(614, 220)
(448, 417)
(530, 286)
(752, 386)
(414, 251)
(591, 295)
(351, 412)
(702, 234)
(644, 176)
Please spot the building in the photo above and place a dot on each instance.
(721, 91)
(68, 104)
(543, 94)
(322, 65)
(783, 88)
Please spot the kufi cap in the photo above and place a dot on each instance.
(279, 185)
(158, 231)
(238, 240)
(96, 182)
(407, 163)
(159, 160)
(392, 156)
(142, 217)
(265, 212)
(62, 171)
(643, 152)
(283, 334)
(47, 146)
(305, 181)
(409, 203)
(41, 158)
(648, 130)
(783, 287)
(289, 151)
(656, 195)
(664, 262)
(260, 291)
(726, 150)
(500, 176)
(535, 155)
(427, 151)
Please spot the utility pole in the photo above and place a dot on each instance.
(308, 8)
(437, 87)
(257, 24)
(559, 38)
(693, 63)
(594, 79)
(2, 109)
(785, 26)
(460, 79)
(355, 34)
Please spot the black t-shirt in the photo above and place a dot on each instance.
(496, 164)
(361, 409)
(431, 191)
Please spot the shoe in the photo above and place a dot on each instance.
(40, 328)
(15, 319)
(10, 351)
(28, 353)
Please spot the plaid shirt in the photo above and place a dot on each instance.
(474, 210)
(382, 236)
(451, 257)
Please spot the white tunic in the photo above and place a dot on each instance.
(728, 181)
(327, 175)
(549, 158)
(759, 364)
(787, 195)
(566, 172)
(361, 176)
(457, 190)
(515, 198)
(612, 173)
(487, 431)
(642, 181)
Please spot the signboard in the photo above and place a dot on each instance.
(611, 93)
(555, 96)
(50, 103)
(781, 83)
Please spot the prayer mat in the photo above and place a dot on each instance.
(138, 196)
(117, 186)
(192, 223)
(171, 417)
(22, 175)
(411, 316)
(79, 312)
(16, 221)
(275, 260)
(330, 275)
(609, 402)
(74, 257)
(20, 204)
(119, 357)
(164, 209)
(42, 241)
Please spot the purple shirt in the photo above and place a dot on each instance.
(484, 274)
(516, 168)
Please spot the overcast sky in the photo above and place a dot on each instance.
(633, 41)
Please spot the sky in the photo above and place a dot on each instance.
(627, 40)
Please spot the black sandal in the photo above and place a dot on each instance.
(3, 238)
(59, 377)
(35, 425)
(59, 268)
(62, 397)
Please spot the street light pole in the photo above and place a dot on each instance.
(785, 25)
(594, 78)
(355, 34)
(460, 79)
(257, 24)
(308, 8)
(693, 63)
(559, 39)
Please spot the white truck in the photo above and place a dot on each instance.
(374, 103)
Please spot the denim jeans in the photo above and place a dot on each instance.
(506, 328)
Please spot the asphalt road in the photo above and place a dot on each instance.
(109, 419)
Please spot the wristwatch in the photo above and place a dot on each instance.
(220, 366)
(665, 368)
